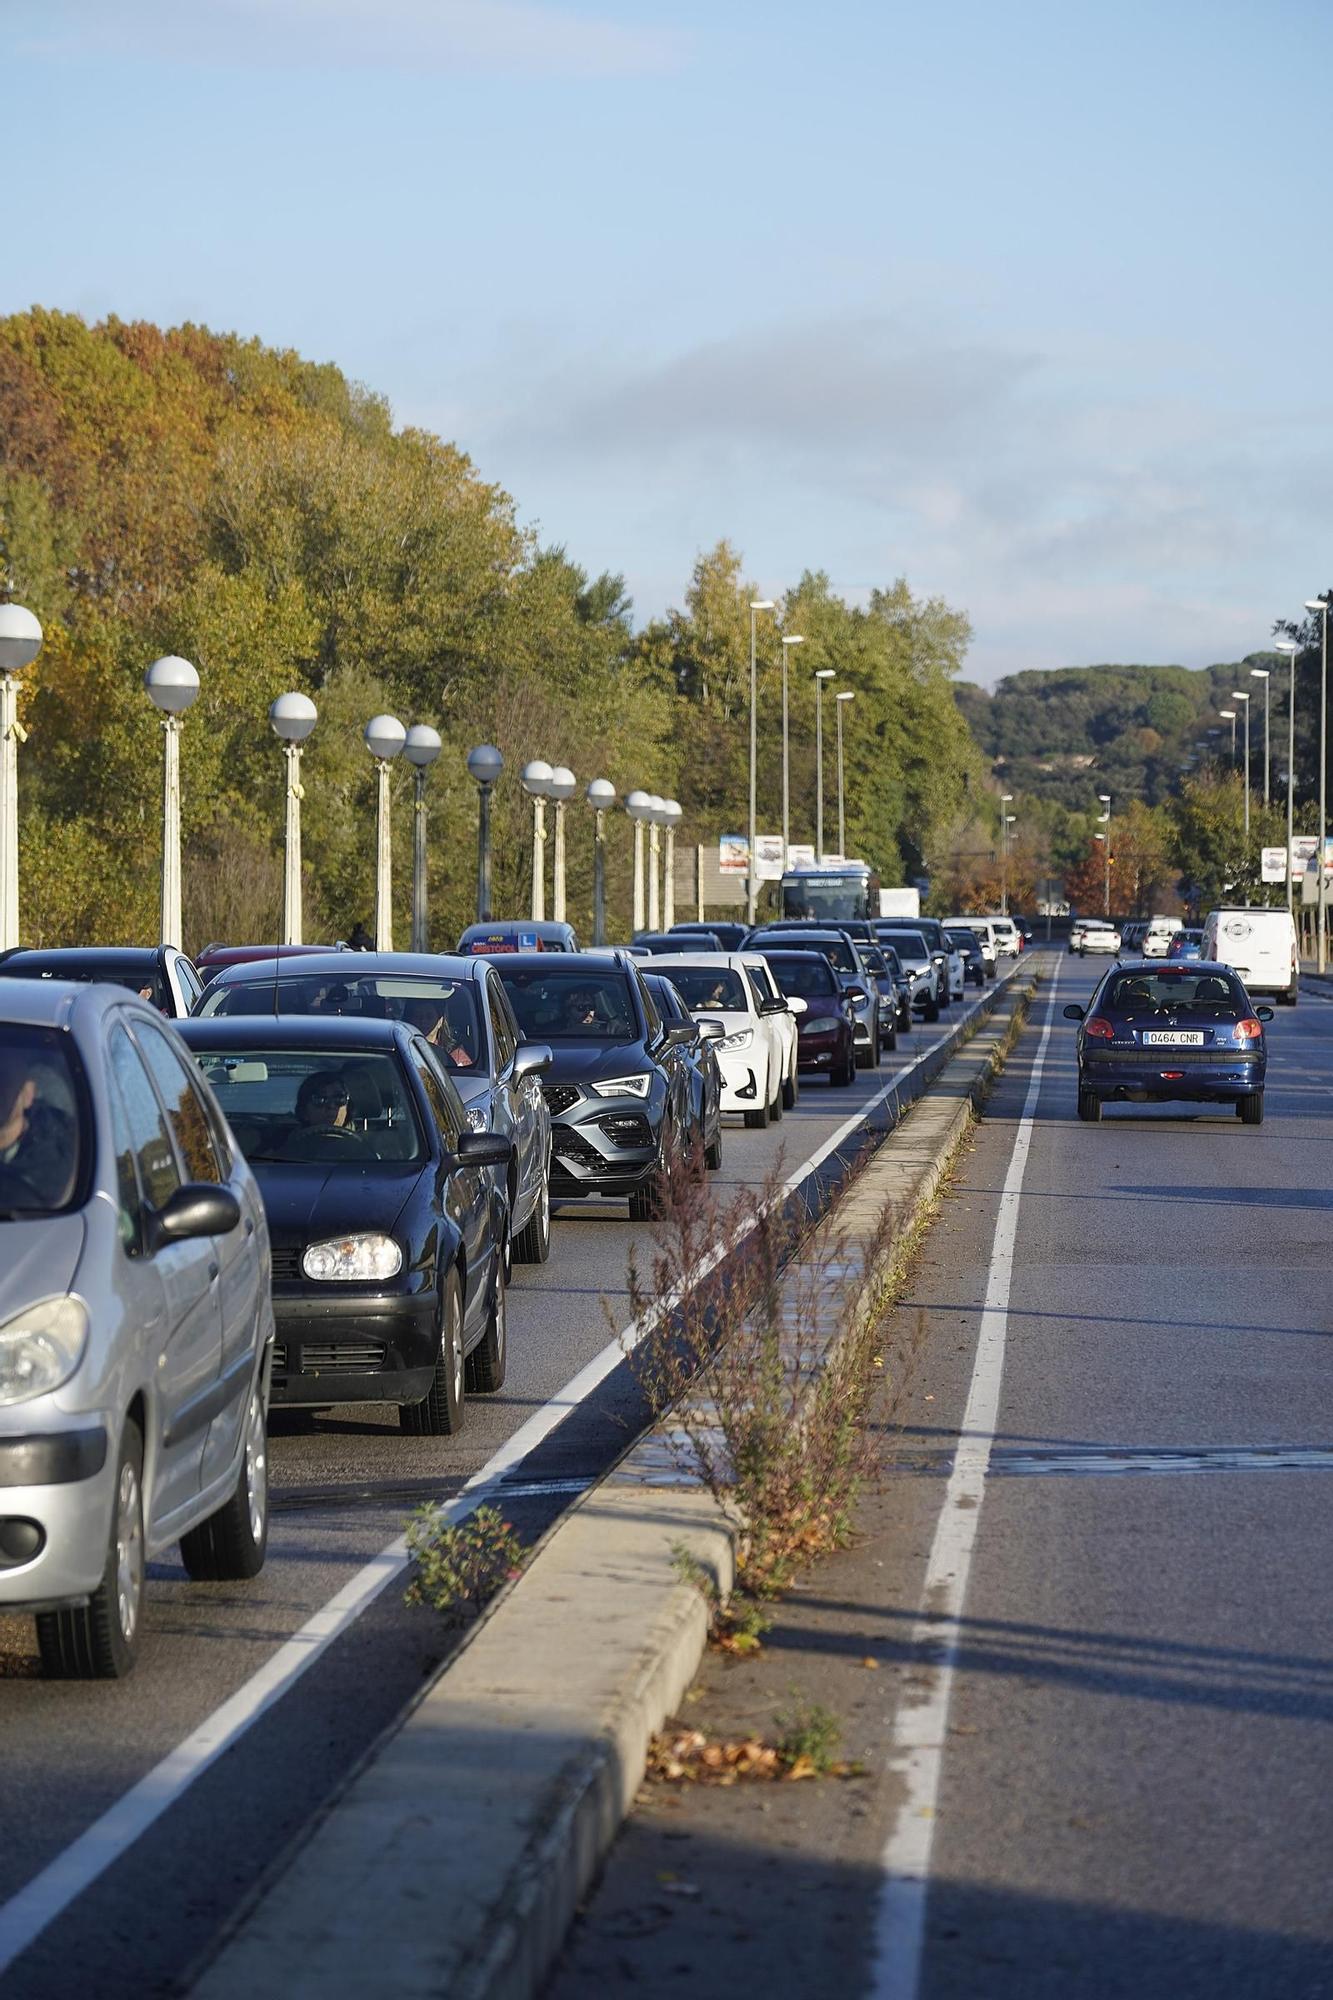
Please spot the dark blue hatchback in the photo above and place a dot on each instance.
(1156, 1032)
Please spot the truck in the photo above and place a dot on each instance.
(900, 902)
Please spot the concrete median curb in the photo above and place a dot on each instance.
(454, 1859)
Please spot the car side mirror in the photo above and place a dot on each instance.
(199, 1208)
(1263, 1013)
(532, 1058)
(774, 1006)
(711, 1031)
(485, 1149)
(857, 995)
(796, 1004)
(681, 1033)
(1072, 1013)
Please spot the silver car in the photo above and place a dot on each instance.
(136, 1325)
(459, 1004)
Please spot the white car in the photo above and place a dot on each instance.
(1158, 936)
(1007, 941)
(1101, 938)
(719, 986)
(780, 1019)
(983, 931)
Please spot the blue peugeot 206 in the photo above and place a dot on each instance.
(1157, 1032)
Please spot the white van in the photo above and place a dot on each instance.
(1158, 936)
(1258, 945)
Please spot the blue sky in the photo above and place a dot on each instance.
(1025, 303)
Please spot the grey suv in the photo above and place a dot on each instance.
(136, 1325)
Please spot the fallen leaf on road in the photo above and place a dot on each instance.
(870, 1661)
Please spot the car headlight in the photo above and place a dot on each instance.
(623, 1086)
(353, 1257)
(41, 1347)
(740, 1040)
(476, 1118)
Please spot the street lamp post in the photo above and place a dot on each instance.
(1105, 817)
(848, 694)
(1290, 648)
(792, 639)
(601, 795)
(1006, 800)
(535, 779)
(20, 643)
(1320, 604)
(293, 716)
(1229, 715)
(421, 749)
(822, 674)
(751, 879)
(1240, 695)
(673, 812)
(385, 737)
(655, 817)
(638, 805)
(562, 788)
(1262, 674)
(172, 684)
(484, 764)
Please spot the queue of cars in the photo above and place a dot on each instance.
(304, 1182)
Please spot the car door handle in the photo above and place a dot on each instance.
(212, 1272)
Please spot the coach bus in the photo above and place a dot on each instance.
(832, 892)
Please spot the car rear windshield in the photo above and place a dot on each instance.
(835, 951)
(802, 972)
(145, 979)
(570, 1004)
(332, 1108)
(43, 1123)
(1170, 990)
(443, 1010)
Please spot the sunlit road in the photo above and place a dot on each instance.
(343, 1486)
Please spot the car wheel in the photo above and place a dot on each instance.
(229, 1546)
(1250, 1109)
(440, 1411)
(791, 1090)
(932, 1010)
(1287, 999)
(532, 1245)
(99, 1640)
(846, 1076)
(890, 1040)
(1089, 1107)
(757, 1120)
(904, 1020)
(485, 1370)
(643, 1203)
(713, 1153)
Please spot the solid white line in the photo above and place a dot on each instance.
(917, 1752)
(77, 1867)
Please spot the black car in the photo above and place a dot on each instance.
(843, 953)
(664, 943)
(385, 1219)
(719, 936)
(618, 1086)
(697, 1053)
(158, 973)
(1156, 1032)
(826, 1030)
(968, 945)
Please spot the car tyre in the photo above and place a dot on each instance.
(1250, 1108)
(532, 1245)
(229, 1546)
(846, 1076)
(931, 1010)
(757, 1120)
(791, 1091)
(99, 1640)
(485, 1368)
(713, 1154)
(440, 1411)
(889, 1040)
(1090, 1107)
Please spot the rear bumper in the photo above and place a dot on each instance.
(1222, 1083)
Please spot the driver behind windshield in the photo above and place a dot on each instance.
(38, 1154)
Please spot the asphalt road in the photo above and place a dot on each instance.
(86, 1767)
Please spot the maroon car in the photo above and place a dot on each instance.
(825, 1032)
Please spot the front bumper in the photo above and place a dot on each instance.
(605, 1146)
(354, 1343)
(821, 1047)
(56, 1489)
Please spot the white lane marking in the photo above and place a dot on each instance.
(26, 1915)
(917, 1752)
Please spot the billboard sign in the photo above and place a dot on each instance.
(768, 857)
(1272, 864)
(733, 854)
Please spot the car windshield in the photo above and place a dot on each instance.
(836, 951)
(43, 1122)
(443, 1010)
(910, 947)
(962, 940)
(1168, 992)
(802, 972)
(332, 1107)
(702, 987)
(142, 978)
(570, 1004)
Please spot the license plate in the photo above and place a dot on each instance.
(1181, 1038)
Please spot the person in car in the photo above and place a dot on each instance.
(430, 1018)
(36, 1136)
(584, 1009)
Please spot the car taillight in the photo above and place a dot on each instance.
(1249, 1028)
(1096, 1026)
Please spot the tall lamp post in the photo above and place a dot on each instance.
(173, 685)
(421, 749)
(535, 779)
(601, 795)
(751, 879)
(1105, 818)
(672, 814)
(638, 805)
(1320, 604)
(20, 643)
(848, 694)
(822, 674)
(1242, 696)
(1229, 715)
(293, 716)
(791, 639)
(656, 819)
(1006, 800)
(1262, 674)
(1290, 648)
(484, 765)
(385, 737)
(561, 790)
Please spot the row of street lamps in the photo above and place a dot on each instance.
(822, 674)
